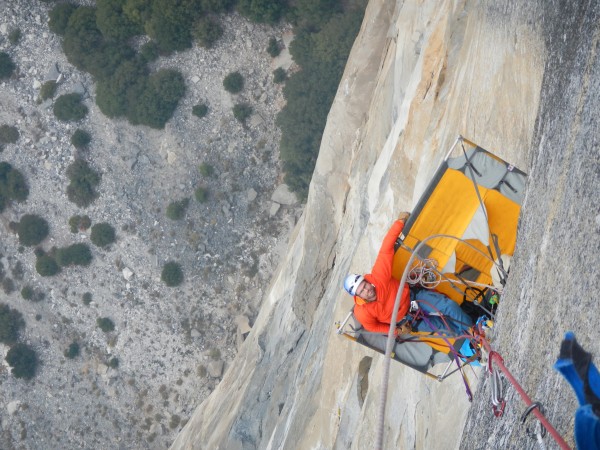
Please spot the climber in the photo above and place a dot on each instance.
(375, 294)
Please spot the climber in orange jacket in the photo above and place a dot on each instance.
(375, 294)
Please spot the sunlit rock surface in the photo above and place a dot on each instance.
(420, 73)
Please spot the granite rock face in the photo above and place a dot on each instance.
(420, 73)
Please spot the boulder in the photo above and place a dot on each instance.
(13, 407)
(53, 73)
(215, 368)
(283, 196)
(127, 273)
(274, 208)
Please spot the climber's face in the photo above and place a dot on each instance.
(366, 291)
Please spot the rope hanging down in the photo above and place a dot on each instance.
(391, 338)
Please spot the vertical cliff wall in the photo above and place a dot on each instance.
(420, 73)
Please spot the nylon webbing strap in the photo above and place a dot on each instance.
(493, 236)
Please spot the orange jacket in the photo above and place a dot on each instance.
(375, 316)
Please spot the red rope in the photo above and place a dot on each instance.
(495, 357)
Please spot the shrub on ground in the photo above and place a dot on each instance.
(32, 229)
(48, 90)
(73, 351)
(23, 360)
(27, 292)
(86, 298)
(172, 275)
(75, 254)
(279, 75)
(82, 189)
(200, 110)
(46, 266)
(113, 363)
(80, 138)
(8, 285)
(105, 324)
(11, 321)
(273, 48)
(206, 170)
(201, 194)
(176, 210)
(8, 134)
(103, 234)
(68, 107)
(14, 36)
(242, 111)
(12, 185)
(234, 82)
(7, 66)
(79, 223)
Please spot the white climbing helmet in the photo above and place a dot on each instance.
(352, 282)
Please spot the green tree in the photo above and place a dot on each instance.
(103, 234)
(176, 209)
(113, 363)
(207, 32)
(155, 105)
(59, 17)
(279, 75)
(23, 360)
(172, 275)
(216, 6)
(7, 66)
(48, 90)
(200, 110)
(85, 46)
(79, 223)
(8, 134)
(32, 230)
(313, 14)
(73, 351)
(75, 254)
(115, 94)
(46, 266)
(137, 11)
(11, 321)
(105, 324)
(68, 107)
(149, 52)
(234, 82)
(269, 11)
(82, 189)
(12, 185)
(80, 138)
(170, 23)
(27, 292)
(241, 111)
(273, 48)
(113, 22)
(310, 92)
